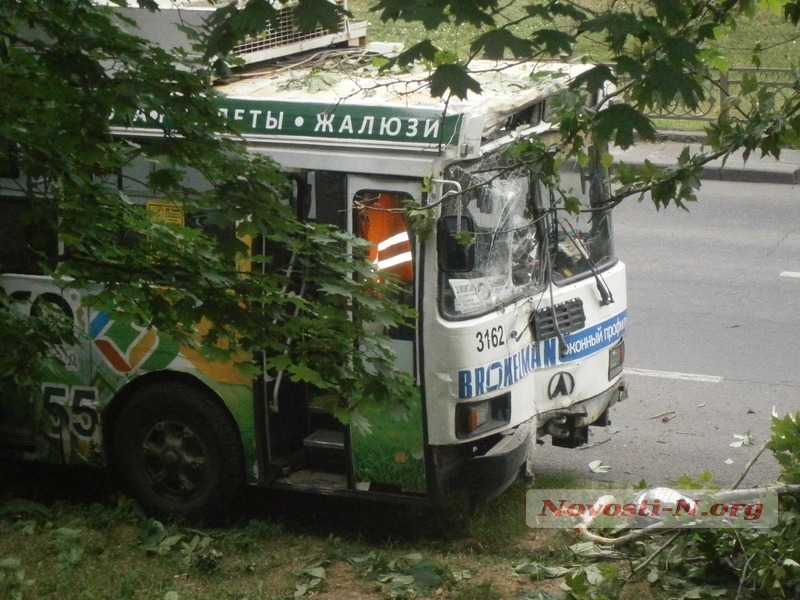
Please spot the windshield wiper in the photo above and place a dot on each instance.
(606, 297)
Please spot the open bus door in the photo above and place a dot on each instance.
(307, 447)
(389, 456)
(304, 446)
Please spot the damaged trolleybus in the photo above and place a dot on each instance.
(518, 332)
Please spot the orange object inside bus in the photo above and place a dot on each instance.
(383, 224)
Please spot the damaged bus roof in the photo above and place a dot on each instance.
(346, 101)
(338, 99)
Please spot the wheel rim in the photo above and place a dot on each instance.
(175, 459)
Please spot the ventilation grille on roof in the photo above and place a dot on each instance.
(166, 28)
(285, 34)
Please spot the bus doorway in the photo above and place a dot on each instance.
(388, 453)
(306, 446)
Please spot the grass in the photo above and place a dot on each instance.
(65, 534)
(777, 39)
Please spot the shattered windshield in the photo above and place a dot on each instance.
(498, 202)
(519, 235)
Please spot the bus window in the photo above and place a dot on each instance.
(578, 243)
(383, 223)
(28, 238)
(172, 214)
(498, 202)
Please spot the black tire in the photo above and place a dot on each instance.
(178, 452)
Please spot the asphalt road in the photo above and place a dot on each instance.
(713, 340)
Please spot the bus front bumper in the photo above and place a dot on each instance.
(490, 472)
(485, 469)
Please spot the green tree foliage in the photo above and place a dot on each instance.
(657, 55)
(68, 69)
(741, 563)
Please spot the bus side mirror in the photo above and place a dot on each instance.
(455, 256)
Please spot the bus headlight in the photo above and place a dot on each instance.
(473, 418)
(616, 357)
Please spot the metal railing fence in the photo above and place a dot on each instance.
(727, 85)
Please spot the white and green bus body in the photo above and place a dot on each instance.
(518, 335)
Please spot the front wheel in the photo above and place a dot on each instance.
(178, 452)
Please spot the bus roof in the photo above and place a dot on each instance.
(327, 98)
(338, 100)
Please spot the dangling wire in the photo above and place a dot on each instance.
(546, 254)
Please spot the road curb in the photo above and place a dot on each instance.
(752, 175)
(747, 174)
(663, 152)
